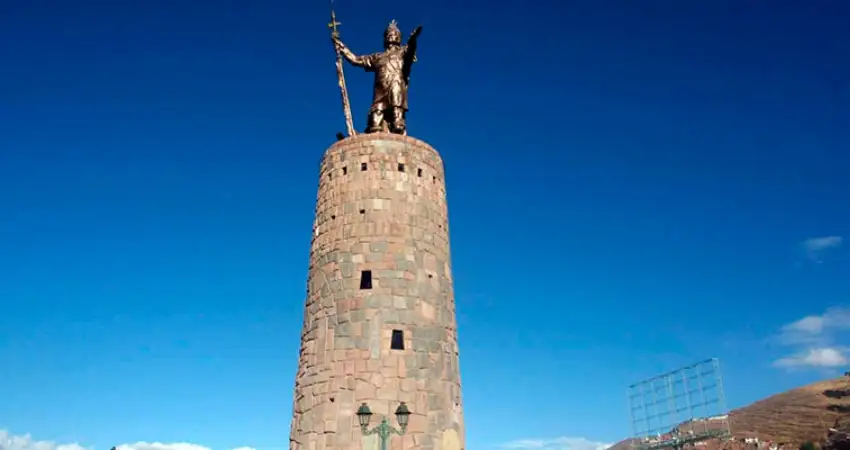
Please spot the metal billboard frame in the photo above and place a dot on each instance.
(679, 408)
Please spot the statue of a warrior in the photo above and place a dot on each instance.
(392, 77)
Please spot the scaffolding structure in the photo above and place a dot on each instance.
(679, 408)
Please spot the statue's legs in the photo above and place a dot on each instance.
(392, 120)
(376, 118)
(397, 123)
(395, 99)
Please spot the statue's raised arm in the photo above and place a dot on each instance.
(410, 54)
(413, 39)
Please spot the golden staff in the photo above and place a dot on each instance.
(346, 106)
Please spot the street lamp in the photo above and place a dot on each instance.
(384, 430)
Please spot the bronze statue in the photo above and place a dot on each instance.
(392, 78)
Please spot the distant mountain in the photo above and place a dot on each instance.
(787, 419)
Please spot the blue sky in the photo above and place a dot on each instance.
(633, 186)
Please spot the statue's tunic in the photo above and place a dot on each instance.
(392, 71)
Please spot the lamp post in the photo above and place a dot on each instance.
(384, 430)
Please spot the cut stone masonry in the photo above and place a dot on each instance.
(379, 264)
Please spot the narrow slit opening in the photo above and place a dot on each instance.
(397, 340)
(363, 167)
(366, 279)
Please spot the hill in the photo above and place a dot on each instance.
(795, 416)
(787, 419)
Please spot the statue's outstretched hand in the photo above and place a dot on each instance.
(337, 42)
(416, 32)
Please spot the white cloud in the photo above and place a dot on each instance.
(809, 324)
(816, 247)
(560, 443)
(815, 340)
(814, 357)
(161, 446)
(26, 442)
(816, 329)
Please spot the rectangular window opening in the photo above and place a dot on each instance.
(397, 341)
(363, 167)
(366, 279)
(400, 167)
(344, 170)
(419, 173)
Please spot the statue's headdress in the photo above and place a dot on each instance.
(393, 32)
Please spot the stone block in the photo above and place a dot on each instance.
(364, 390)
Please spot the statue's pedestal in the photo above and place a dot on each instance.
(379, 323)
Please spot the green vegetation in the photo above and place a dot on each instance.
(808, 445)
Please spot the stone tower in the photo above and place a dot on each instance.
(379, 320)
